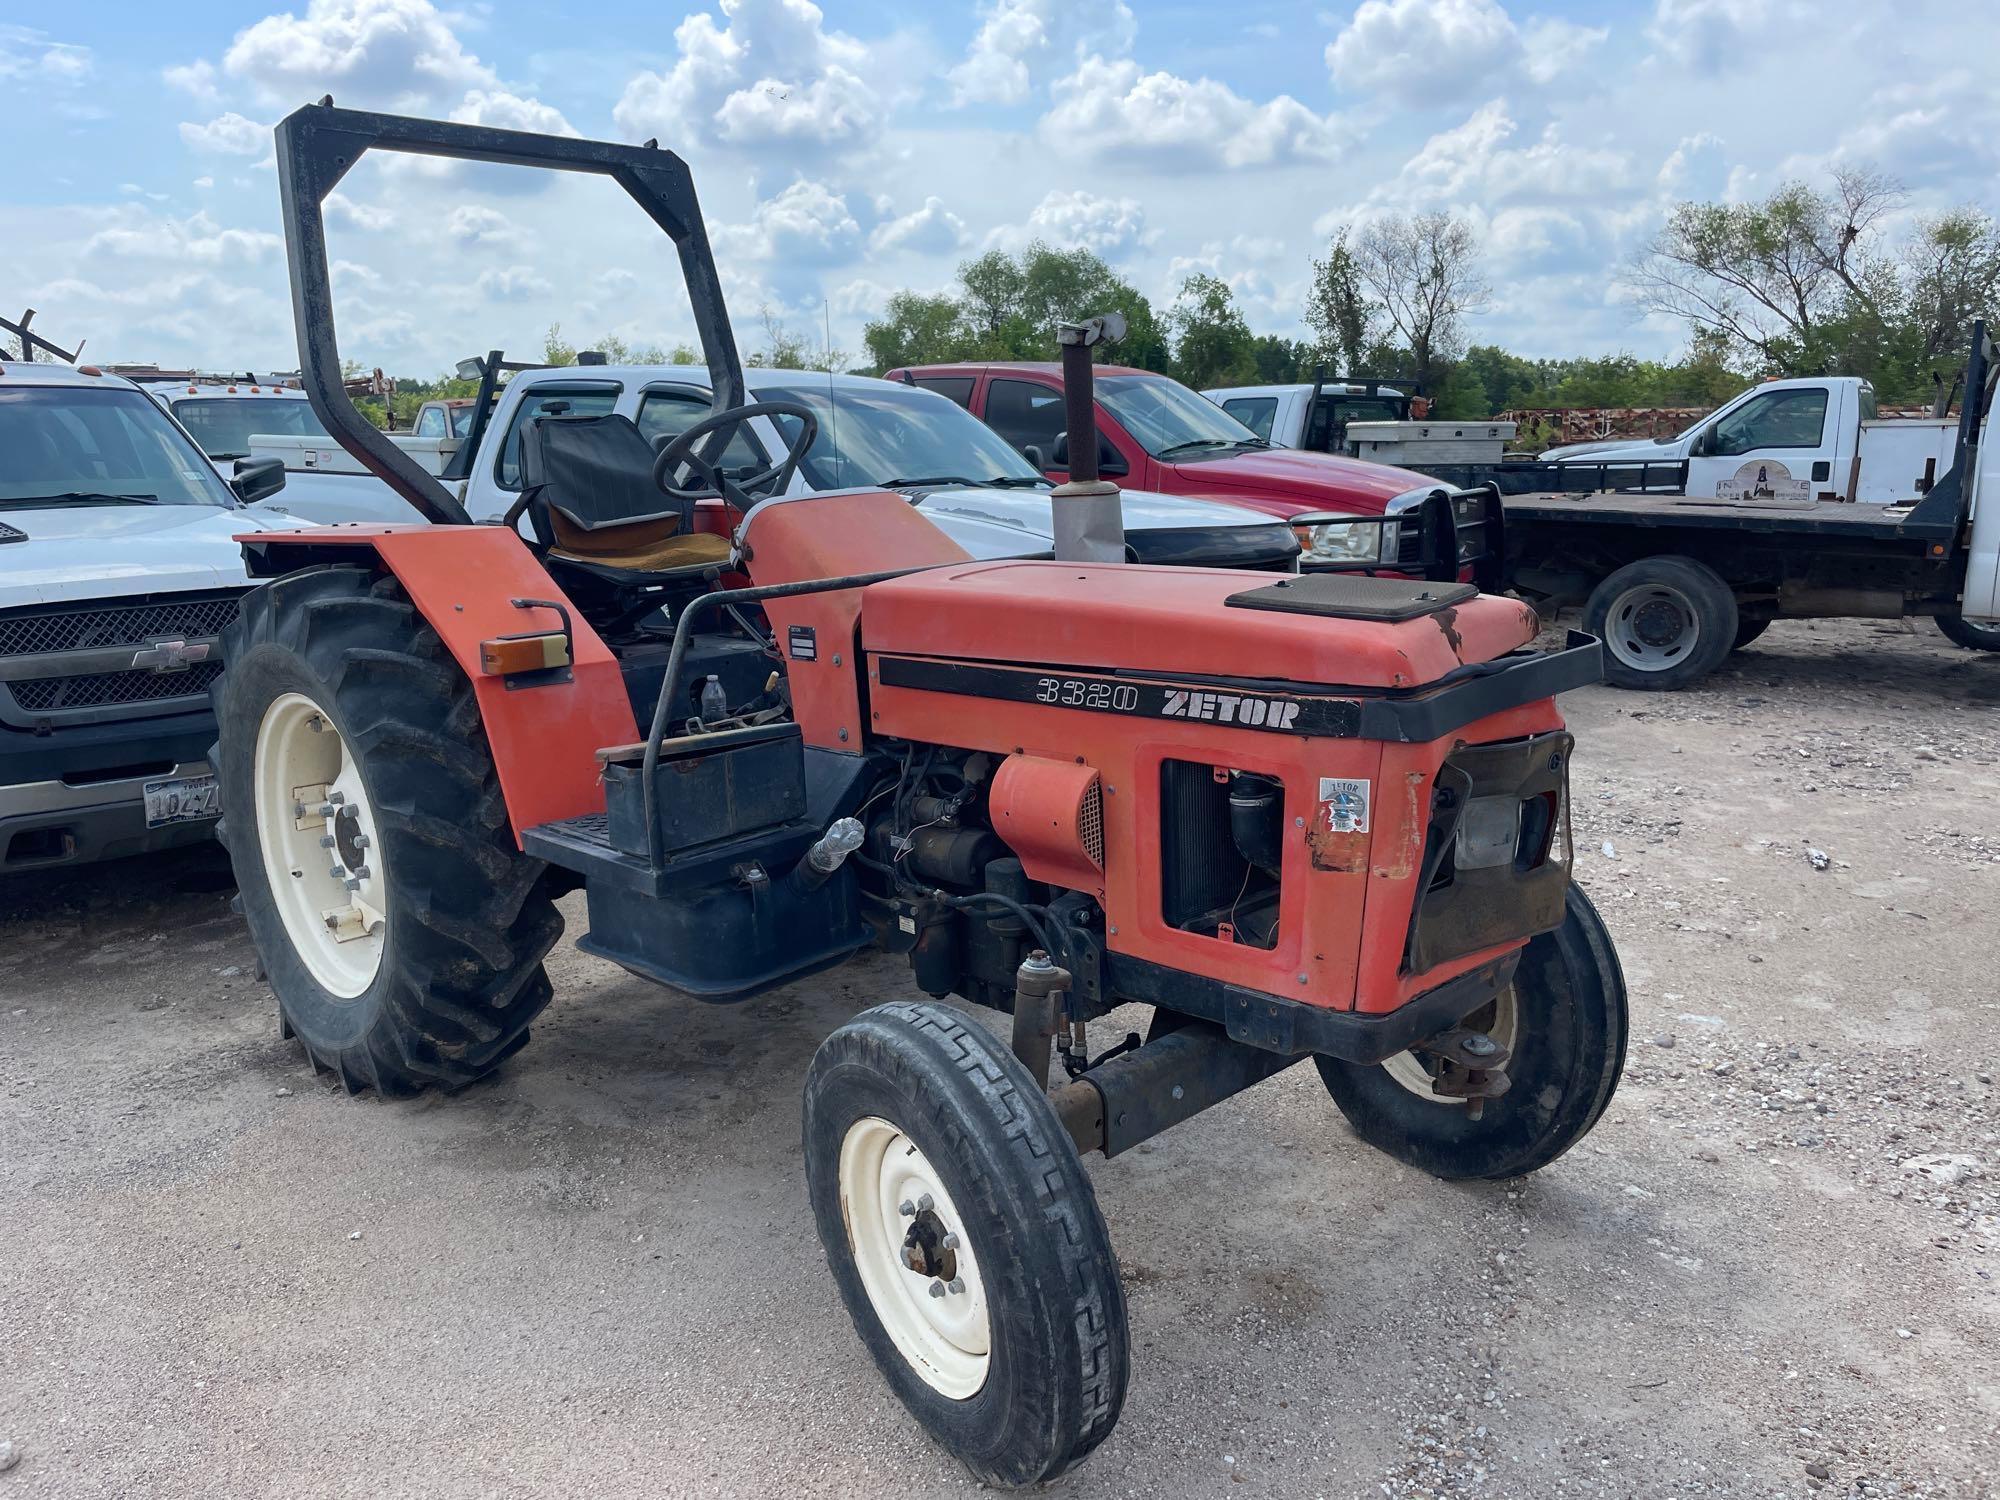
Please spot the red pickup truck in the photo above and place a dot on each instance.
(1155, 434)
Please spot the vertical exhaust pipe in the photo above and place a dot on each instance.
(1089, 521)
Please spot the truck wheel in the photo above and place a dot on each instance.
(1962, 632)
(1564, 1022)
(965, 1240)
(402, 931)
(1748, 631)
(1664, 621)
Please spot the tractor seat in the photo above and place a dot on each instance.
(587, 487)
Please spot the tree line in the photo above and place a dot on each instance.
(1807, 281)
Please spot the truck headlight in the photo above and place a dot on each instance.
(1343, 541)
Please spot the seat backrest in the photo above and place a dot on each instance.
(593, 473)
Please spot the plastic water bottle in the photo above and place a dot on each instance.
(714, 703)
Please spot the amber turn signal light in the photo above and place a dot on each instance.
(508, 654)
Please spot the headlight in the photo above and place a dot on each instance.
(1343, 541)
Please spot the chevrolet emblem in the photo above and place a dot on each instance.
(170, 656)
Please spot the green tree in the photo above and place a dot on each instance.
(1013, 305)
(1339, 308)
(1211, 341)
(1421, 271)
(1280, 361)
(916, 329)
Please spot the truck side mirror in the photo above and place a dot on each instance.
(1059, 458)
(257, 479)
(1034, 452)
(1704, 443)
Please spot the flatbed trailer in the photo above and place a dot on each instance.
(1673, 583)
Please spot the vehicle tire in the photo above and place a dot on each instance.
(1962, 632)
(427, 969)
(1664, 621)
(1020, 1371)
(1564, 1021)
(1748, 631)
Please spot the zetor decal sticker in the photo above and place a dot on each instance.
(1281, 713)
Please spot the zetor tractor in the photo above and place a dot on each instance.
(1313, 818)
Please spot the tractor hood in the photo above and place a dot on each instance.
(95, 551)
(1167, 529)
(1179, 623)
(1289, 481)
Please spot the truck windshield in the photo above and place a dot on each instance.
(1170, 421)
(224, 426)
(81, 445)
(885, 433)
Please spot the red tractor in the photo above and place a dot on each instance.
(1313, 818)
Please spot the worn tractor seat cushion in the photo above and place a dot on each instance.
(640, 546)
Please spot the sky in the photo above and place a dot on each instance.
(847, 150)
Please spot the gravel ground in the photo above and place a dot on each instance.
(1770, 1272)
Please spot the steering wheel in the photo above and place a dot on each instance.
(708, 473)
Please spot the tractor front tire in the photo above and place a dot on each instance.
(966, 1241)
(1563, 1020)
(401, 930)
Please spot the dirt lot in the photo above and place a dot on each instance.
(1769, 1272)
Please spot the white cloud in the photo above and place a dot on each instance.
(29, 55)
(861, 298)
(1946, 125)
(1118, 110)
(930, 230)
(341, 209)
(507, 111)
(1077, 220)
(196, 79)
(204, 183)
(1554, 47)
(1471, 165)
(807, 224)
(1709, 35)
(770, 74)
(196, 240)
(475, 224)
(1417, 50)
(228, 133)
(1023, 43)
(400, 54)
(513, 284)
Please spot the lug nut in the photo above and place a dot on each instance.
(336, 798)
(326, 841)
(362, 872)
(326, 809)
(906, 1208)
(924, 1203)
(955, 1285)
(949, 1242)
(361, 841)
(298, 809)
(1480, 1046)
(352, 885)
(937, 1288)
(338, 872)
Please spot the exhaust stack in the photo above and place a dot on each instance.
(1089, 521)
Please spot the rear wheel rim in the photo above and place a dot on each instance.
(321, 848)
(1652, 626)
(1501, 1020)
(895, 1205)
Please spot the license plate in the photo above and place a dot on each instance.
(182, 799)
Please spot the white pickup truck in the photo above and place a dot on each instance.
(1794, 441)
(250, 418)
(973, 484)
(118, 571)
(1315, 416)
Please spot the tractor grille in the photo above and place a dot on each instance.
(124, 625)
(41, 695)
(1090, 823)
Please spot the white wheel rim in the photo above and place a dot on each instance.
(1408, 1069)
(1652, 627)
(308, 788)
(946, 1336)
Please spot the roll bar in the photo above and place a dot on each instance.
(319, 143)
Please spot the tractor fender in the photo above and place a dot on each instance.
(464, 581)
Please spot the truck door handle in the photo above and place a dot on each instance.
(1822, 471)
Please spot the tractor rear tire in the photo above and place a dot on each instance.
(404, 934)
(1014, 1354)
(1665, 622)
(1564, 1020)
(1962, 632)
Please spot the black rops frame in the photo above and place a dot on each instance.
(319, 143)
